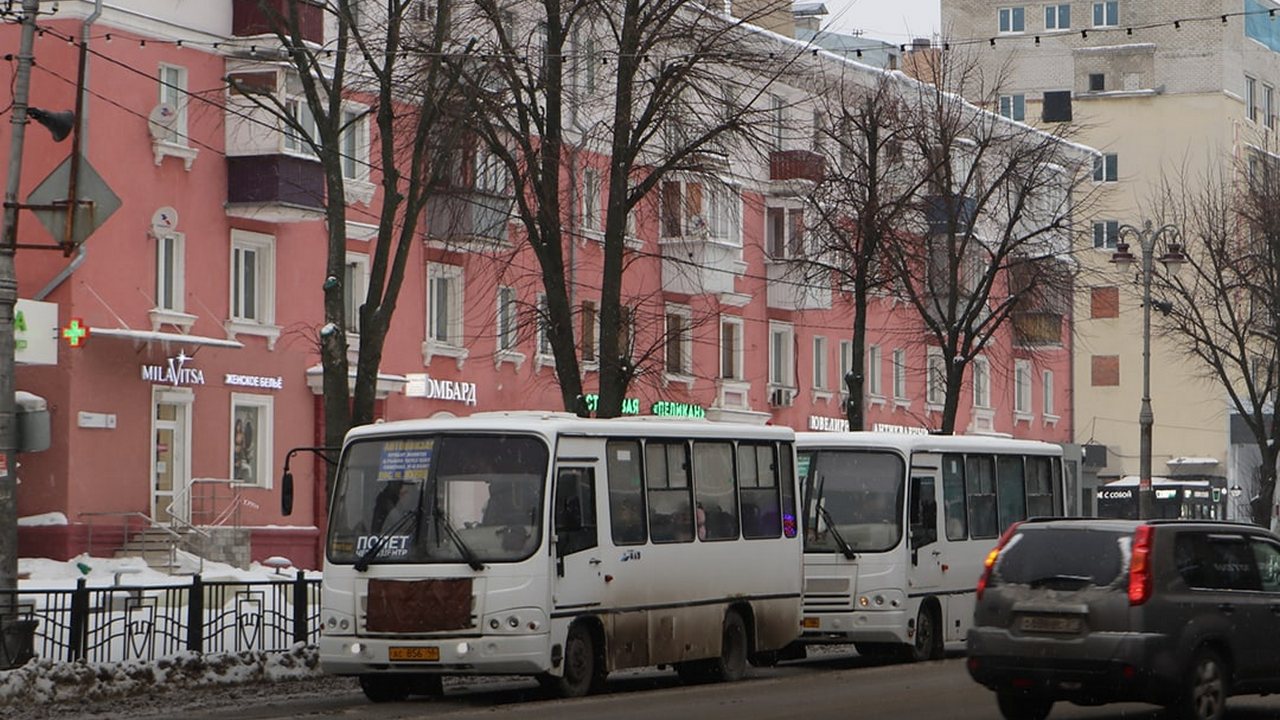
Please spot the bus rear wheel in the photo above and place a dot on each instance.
(731, 666)
(384, 688)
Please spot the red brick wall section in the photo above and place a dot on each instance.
(1104, 302)
(1105, 371)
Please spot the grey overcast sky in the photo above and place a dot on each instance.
(891, 20)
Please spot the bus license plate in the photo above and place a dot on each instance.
(414, 654)
(1050, 623)
(810, 623)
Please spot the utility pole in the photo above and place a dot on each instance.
(8, 301)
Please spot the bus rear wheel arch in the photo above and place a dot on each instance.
(735, 649)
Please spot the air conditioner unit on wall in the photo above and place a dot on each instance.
(781, 397)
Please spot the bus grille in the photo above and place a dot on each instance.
(827, 595)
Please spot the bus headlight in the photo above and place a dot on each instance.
(880, 600)
(463, 649)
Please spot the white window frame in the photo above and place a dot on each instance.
(846, 364)
(507, 328)
(259, 450)
(1106, 168)
(820, 364)
(1021, 389)
(1046, 392)
(981, 383)
(793, 225)
(293, 142)
(735, 354)
(777, 121)
(1106, 13)
(684, 373)
(875, 386)
(489, 173)
(900, 376)
(355, 154)
(720, 219)
(262, 321)
(355, 288)
(1014, 107)
(1005, 17)
(170, 272)
(1054, 16)
(591, 362)
(589, 204)
(1103, 237)
(935, 379)
(782, 355)
(543, 354)
(451, 344)
(1269, 106)
(173, 92)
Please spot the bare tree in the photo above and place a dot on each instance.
(388, 57)
(992, 235)
(1223, 308)
(657, 87)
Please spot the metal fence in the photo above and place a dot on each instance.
(122, 622)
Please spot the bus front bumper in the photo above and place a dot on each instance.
(484, 655)
(880, 626)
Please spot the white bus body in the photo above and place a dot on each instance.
(549, 545)
(897, 527)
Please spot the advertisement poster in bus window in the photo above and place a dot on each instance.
(405, 461)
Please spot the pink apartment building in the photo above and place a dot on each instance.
(202, 295)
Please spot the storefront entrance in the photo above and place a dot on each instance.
(170, 454)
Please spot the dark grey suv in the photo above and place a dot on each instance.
(1173, 612)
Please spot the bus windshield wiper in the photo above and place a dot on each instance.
(449, 530)
(845, 548)
(362, 562)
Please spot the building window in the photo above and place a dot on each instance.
(1251, 98)
(1022, 387)
(782, 354)
(590, 201)
(1104, 370)
(981, 383)
(936, 393)
(490, 173)
(784, 232)
(1057, 17)
(696, 209)
(820, 363)
(731, 348)
(170, 272)
(777, 121)
(874, 388)
(1012, 19)
(1046, 388)
(1056, 106)
(444, 305)
(1269, 106)
(1014, 107)
(1104, 302)
(355, 143)
(588, 335)
(1106, 14)
(173, 92)
(300, 128)
(1105, 234)
(1097, 82)
(252, 277)
(544, 328)
(251, 433)
(1106, 168)
(846, 364)
(678, 339)
(508, 319)
(355, 284)
(900, 375)
(587, 61)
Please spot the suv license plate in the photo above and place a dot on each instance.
(1049, 623)
(414, 654)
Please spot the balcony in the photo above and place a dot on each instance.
(249, 18)
(790, 288)
(1037, 329)
(462, 218)
(795, 172)
(275, 188)
(939, 210)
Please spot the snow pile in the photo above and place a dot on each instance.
(44, 682)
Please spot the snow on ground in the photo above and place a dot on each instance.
(43, 683)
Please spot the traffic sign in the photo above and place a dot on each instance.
(89, 217)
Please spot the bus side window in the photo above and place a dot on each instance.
(758, 489)
(953, 505)
(670, 502)
(787, 483)
(1011, 490)
(924, 512)
(717, 508)
(626, 492)
(575, 510)
(980, 482)
(1039, 487)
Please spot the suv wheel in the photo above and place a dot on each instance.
(1018, 706)
(1204, 694)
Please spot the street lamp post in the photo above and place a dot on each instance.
(1172, 259)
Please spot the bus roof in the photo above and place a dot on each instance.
(924, 443)
(562, 423)
(1133, 480)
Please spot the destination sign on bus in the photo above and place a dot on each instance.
(405, 461)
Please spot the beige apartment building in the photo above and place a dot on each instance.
(1158, 86)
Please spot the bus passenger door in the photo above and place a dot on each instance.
(579, 578)
(926, 552)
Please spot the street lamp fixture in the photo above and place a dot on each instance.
(1172, 258)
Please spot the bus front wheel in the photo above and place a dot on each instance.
(583, 670)
(927, 640)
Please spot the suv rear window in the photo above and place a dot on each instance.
(1063, 557)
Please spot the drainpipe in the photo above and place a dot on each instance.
(79, 144)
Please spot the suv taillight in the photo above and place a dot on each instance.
(992, 556)
(1140, 581)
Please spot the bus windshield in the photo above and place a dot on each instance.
(859, 492)
(439, 499)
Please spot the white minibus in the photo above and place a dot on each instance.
(563, 548)
(884, 568)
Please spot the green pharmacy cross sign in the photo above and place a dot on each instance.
(75, 333)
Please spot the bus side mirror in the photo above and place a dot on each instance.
(286, 493)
